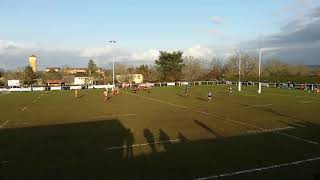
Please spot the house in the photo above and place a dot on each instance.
(52, 69)
(73, 71)
(55, 82)
(130, 78)
(83, 80)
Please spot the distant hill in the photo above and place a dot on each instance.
(313, 66)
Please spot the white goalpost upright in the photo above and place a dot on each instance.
(239, 81)
(113, 76)
(260, 59)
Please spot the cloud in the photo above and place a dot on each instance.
(15, 55)
(217, 20)
(207, 53)
(298, 41)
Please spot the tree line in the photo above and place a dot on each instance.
(173, 66)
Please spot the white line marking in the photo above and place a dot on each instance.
(297, 138)
(309, 102)
(165, 102)
(4, 124)
(261, 105)
(108, 116)
(270, 130)
(19, 123)
(228, 119)
(259, 169)
(23, 109)
(145, 144)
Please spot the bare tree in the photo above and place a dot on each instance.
(192, 69)
(249, 66)
(123, 73)
(276, 68)
(217, 69)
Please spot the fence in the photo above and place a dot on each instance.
(179, 83)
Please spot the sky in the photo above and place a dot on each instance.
(69, 33)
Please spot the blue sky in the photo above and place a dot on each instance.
(142, 26)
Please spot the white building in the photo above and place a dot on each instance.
(14, 83)
(83, 80)
(130, 78)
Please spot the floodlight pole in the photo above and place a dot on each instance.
(239, 81)
(260, 59)
(112, 42)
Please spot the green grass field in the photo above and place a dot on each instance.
(162, 135)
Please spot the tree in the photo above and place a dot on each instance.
(150, 74)
(192, 69)
(123, 73)
(28, 76)
(276, 68)
(249, 66)
(92, 67)
(299, 70)
(170, 65)
(53, 75)
(217, 69)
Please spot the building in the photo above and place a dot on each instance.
(75, 70)
(33, 62)
(52, 69)
(130, 78)
(83, 80)
(56, 82)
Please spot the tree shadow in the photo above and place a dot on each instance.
(274, 112)
(181, 95)
(208, 129)
(202, 99)
(182, 138)
(150, 140)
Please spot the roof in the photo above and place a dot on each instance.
(54, 81)
(76, 68)
(32, 55)
(52, 68)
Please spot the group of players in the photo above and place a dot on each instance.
(106, 94)
(114, 92)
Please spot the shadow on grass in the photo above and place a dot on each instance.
(201, 99)
(204, 126)
(148, 135)
(181, 95)
(78, 151)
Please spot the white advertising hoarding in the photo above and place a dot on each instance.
(13, 83)
(58, 88)
(15, 89)
(25, 89)
(38, 88)
(83, 80)
(75, 87)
